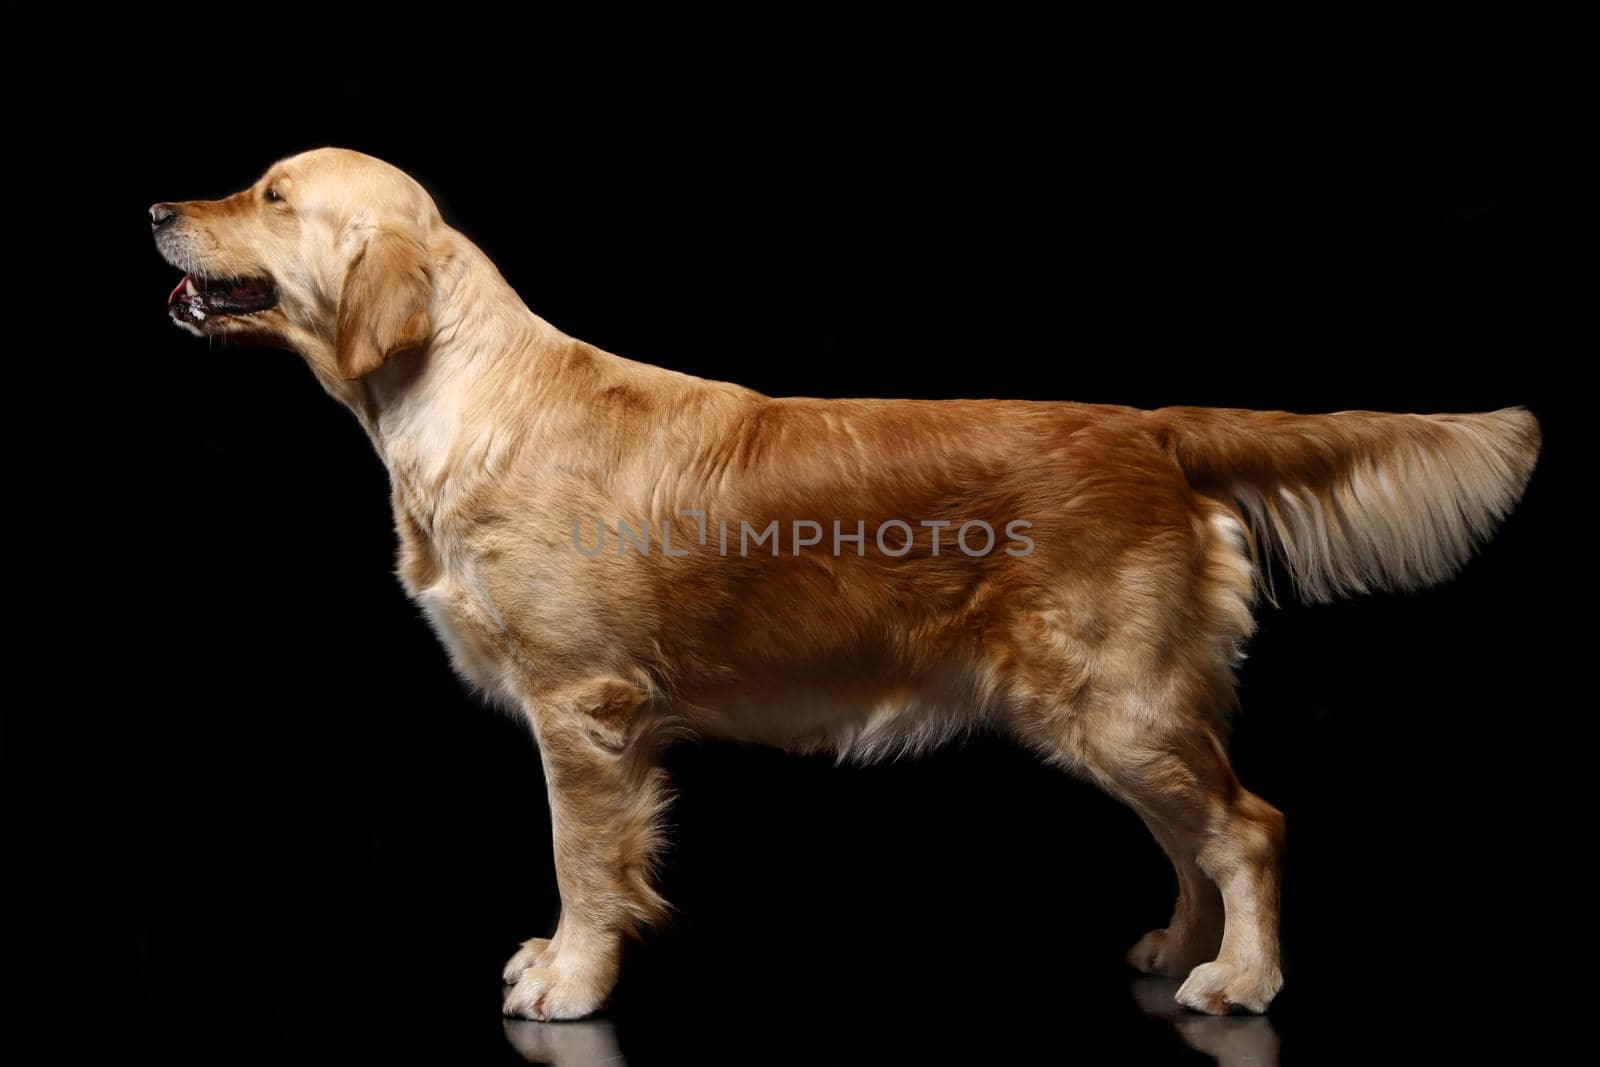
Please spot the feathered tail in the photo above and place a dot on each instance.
(1359, 500)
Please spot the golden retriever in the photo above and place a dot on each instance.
(626, 555)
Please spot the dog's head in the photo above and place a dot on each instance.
(327, 254)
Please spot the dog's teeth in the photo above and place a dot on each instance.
(188, 287)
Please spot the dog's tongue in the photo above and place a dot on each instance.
(172, 297)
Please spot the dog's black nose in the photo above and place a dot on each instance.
(161, 215)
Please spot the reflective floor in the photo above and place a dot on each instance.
(1228, 1039)
(588, 1041)
(562, 1044)
(1242, 1040)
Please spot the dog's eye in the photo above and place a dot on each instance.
(272, 195)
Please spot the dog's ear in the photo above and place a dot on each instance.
(384, 305)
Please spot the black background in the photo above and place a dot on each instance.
(316, 839)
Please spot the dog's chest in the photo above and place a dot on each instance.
(447, 581)
(472, 632)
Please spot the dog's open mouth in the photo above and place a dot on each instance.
(197, 300)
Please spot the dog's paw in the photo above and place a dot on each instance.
(1218, 988)
(535, 952)
(1158, 952)
(549, 993)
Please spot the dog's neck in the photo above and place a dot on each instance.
(419, 408)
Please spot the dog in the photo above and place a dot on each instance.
(626, 556)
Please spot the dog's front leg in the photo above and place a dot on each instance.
(605, 801)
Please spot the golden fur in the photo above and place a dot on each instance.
(1109, 648)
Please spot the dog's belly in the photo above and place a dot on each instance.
(862, 722)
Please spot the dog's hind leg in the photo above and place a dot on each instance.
(1194, 933)
(1181, 782)
(1173, 771)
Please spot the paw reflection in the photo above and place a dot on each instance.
(590, 1041)
(1231, 1040)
